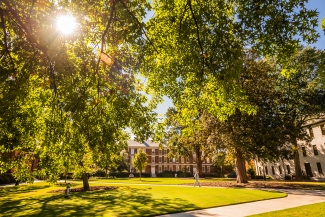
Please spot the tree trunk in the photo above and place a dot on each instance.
(140, 175)
(199, 162)
(240, 167)
(297, 159)
(106, 173)
(85, 181)
(220, 171)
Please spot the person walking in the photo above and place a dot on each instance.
(196, 176)
(67, 190)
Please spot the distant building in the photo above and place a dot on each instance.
(312, 156)
(159, 162)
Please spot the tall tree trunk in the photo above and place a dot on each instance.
(296, 159)
(199, 162)
(220, 171)
(106, 173)
(241, 167)
(140, 175)
(85, 181)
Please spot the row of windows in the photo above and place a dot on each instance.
(167, 160)
(318, 164)
(304, 152)
(311, 132)
(179, 168)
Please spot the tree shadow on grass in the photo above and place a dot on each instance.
(5, 191)
(124, 201)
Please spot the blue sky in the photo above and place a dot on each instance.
(319, 5)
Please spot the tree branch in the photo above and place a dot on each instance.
(34, 42)
(143, 30)
(5, 39)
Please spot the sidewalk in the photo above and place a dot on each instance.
(295, 198)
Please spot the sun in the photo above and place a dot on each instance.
(66, 24)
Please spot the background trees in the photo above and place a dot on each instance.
(140, 161)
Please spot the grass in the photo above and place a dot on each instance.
(314, 210)
(34, 200)
(159, 181)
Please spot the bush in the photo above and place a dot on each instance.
(100, 173)
(258, 177)
(251, 172)
(287, 177)
(231, 175)
(7, 178)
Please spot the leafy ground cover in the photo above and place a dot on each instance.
(35, 200)
(314, 210)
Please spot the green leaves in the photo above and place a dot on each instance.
(140, 160)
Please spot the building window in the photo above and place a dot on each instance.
(304, 153)
(315, 150)
(273, 172)
(266, 171)
(319, 167)
(288, 169)
(165, 159)
(132, 150)
(182, 160)
(311, 132)
(165, 168)
(322, 128)
(280, 170)
(165, 151)
(187, 160)
(152, 151)
(159, 159)
(159, 152)
(208, 168)
(153, 159)
(160, 169)
(203, 169)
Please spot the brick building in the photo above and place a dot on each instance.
(159, 162)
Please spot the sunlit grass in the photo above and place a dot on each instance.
(34, 200)
(315, 210)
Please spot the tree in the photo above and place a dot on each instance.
(302, 97)
(85, 86)
(198, 49)
(223, 161)
(181, 141)
(140, 161)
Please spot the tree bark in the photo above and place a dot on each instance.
(106, 173)
(240, 167)
(140, 175)
(296, 159)
(85, 181)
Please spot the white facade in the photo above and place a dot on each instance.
(312, 157)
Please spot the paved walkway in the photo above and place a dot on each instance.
(295, 198)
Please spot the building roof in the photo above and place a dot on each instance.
(145, 144)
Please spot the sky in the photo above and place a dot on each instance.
(319, 5)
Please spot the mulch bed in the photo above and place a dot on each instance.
(95, 188)
(261, 184)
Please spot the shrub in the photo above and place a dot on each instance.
(231, 175)
(7, 178)
(287, 177)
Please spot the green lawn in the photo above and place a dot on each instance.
(34, 200)
(314, 210)
(159, 181)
